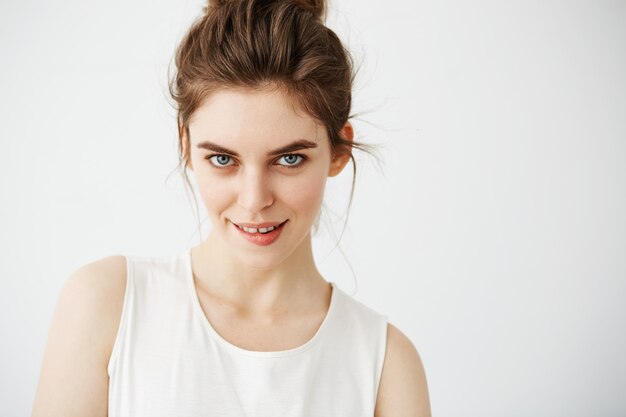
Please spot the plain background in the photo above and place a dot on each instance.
(493, 234)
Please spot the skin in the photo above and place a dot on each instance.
(253, 188)
(259, 297)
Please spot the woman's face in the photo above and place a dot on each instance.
(257, 160)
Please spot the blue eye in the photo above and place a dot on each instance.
(221, 160)
(292, 160)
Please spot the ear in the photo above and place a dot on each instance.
(185, 145)
(342, 156)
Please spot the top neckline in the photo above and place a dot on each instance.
(232, 347)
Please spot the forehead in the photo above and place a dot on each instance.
(251, 118)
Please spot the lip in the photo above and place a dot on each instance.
(258, 225)
(261, 239)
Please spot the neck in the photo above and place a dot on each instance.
(267, 289)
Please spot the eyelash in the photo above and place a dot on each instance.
(304, 158)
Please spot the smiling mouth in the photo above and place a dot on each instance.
(263, 236)
(259, 230)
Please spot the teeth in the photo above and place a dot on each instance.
(254, 230)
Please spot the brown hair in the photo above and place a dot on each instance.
(266, 44)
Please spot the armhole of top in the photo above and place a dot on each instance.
(382, 349)
(121, 330)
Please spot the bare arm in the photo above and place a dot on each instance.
(403, 390)
(74, 380)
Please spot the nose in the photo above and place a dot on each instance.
(255, 191)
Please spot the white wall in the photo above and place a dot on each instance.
(494, 234)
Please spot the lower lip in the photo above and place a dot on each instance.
(260, 238)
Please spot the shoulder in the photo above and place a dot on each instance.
(403, 390)
(95, 284)
(96, 290)
(102, 273)
(74, 378)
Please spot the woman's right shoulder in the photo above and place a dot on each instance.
(74, 379)
(100, 276)
(101, 272)
(101, 284)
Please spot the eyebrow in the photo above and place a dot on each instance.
(292, 147)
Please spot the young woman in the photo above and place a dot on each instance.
(242, 324)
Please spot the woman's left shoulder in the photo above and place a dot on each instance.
(403, 389)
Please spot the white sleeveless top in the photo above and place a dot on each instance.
(168, 361)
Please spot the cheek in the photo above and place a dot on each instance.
(304, 193)
(216, 193)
